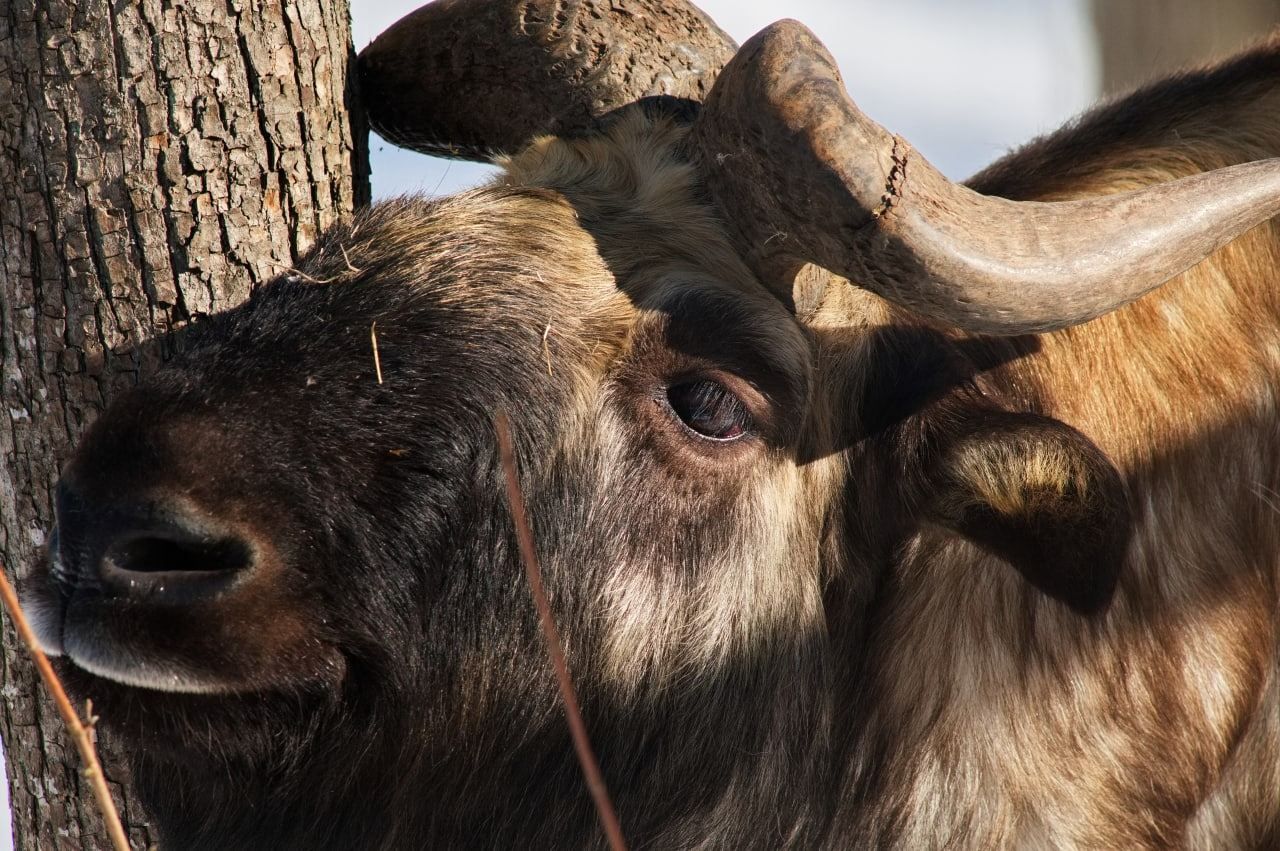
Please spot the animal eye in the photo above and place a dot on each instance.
(709, 409)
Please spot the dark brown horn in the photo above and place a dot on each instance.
(804, 177)
(474, 78)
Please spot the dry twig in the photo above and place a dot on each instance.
(578, 730)
(377, 361)
(346, 258)
(79, 731)
(546, 348)
(298, 273)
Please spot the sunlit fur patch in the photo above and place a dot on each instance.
(680, 606)
(1018, 480)
(634, 194)
(1241, 808)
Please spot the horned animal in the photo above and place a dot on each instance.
(875, 510)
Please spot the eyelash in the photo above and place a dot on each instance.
(709, 410)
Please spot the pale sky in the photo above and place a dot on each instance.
(963, 80)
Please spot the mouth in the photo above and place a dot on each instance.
(76, 624)
(178, 632)
(88, 647)
(46, 611)
(86, 634)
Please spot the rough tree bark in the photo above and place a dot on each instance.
(1140, 40)
(158, 159)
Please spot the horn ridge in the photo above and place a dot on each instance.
(809, 178)
(474, 79)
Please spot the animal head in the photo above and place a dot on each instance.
(290, 549)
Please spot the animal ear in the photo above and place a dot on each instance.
(1038, 494)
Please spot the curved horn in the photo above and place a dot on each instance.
(474, 78)
(810, 179)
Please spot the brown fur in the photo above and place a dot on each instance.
(986, 716)
(951, 592)
(1179, 390)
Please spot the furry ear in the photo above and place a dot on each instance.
(1038, 494)
(1027, 488)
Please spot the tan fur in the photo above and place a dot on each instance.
(665, 628)
(1149, 728)
(986, 715)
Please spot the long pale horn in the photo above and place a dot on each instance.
(474, 78)
(803, 176)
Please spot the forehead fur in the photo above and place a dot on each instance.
(636, 196)
(594, 237)
(460, 241)
(506, 259)
(620, 205)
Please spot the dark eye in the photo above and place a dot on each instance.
(709, 409)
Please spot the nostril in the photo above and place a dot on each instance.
(173, 566)
(161, 549)
(165, 554)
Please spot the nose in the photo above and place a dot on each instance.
(148, 550)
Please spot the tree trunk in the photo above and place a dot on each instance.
(158, 159)
(1141, 40)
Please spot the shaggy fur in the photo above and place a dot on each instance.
(948, 593)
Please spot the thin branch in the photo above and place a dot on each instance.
(79, 732)
(377, 361)
(578, 730)
(546, 348)
(347, 259)
(298, 273)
